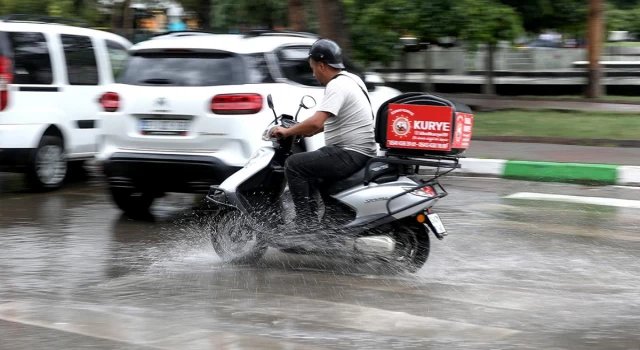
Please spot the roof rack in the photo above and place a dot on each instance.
(261, 32)
(42, 19)
(183, 33)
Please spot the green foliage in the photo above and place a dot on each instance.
(624, 4)
(560, 15)
(81, 10)
(32, 7)
(436, 18)
(618, 19)
(229, 14)
(376, 27)
(488, 22)
(633, 21)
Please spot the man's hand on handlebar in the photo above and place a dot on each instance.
(279, 132)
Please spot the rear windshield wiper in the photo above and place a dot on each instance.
(158, 81)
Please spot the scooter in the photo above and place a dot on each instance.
(382, 212)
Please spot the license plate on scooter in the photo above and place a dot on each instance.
(436, 224)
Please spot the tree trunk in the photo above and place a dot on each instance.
(596, 32)
(332, 26)
(489, 87)
(127, 25)
(204, 14)
(428, 84)
(115, 18)
(297, 20)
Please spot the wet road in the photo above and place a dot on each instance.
(513, 274)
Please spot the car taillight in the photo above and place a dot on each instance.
(237, 104)
(110, 102)
(6, 78)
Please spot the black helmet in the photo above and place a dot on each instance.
(327, 51)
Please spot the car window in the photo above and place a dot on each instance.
(258, 69)
(31, 59)
(5, 49)
(118, 55)
(185, 69)
(82, 67)
(294, 64)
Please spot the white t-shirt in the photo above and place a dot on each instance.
(351, 124)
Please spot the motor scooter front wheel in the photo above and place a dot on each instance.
(234, 240)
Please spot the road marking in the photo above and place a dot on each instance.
(324, 313)
(108, 323)
(627, 187)
(609, 202)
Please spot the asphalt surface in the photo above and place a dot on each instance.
(512, 274)
(554, 153)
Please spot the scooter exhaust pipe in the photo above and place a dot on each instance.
(375, 245)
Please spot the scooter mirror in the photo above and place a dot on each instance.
(308, 102)
(270, 101)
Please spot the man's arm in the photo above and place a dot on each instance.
(309, 127)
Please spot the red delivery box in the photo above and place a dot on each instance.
(417, 123)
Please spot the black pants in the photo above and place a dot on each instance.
(327, 163)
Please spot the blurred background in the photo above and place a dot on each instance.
(430, 42)
(494, 55)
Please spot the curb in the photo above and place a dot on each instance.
(591, 174)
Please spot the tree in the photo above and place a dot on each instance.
(488, 22)
(444, 22)
(625, 4)
(332, 22)
(297, 18)
(236, 14)
(202, 8)
(31, 7)
(618, 19)
(376, 26)
(596, 37)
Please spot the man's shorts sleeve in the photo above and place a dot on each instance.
(333, 100)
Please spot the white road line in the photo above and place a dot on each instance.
(361, 318)
(610, 202)
(101, 322)
(627, 187)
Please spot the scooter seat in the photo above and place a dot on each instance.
(352, 181)
(379, 172)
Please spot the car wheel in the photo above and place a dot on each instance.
(47, 168)
(132, 203)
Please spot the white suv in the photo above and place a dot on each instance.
(51, 77)
(189, 109)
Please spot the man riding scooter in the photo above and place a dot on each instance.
(346, 118)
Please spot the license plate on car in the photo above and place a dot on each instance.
(164, 127)
(437, 224)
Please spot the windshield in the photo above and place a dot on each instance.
(193, 69)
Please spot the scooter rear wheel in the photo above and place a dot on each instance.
(234, 241)
(412, 245)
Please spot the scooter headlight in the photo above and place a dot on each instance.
(265, 135)
(267, 132)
